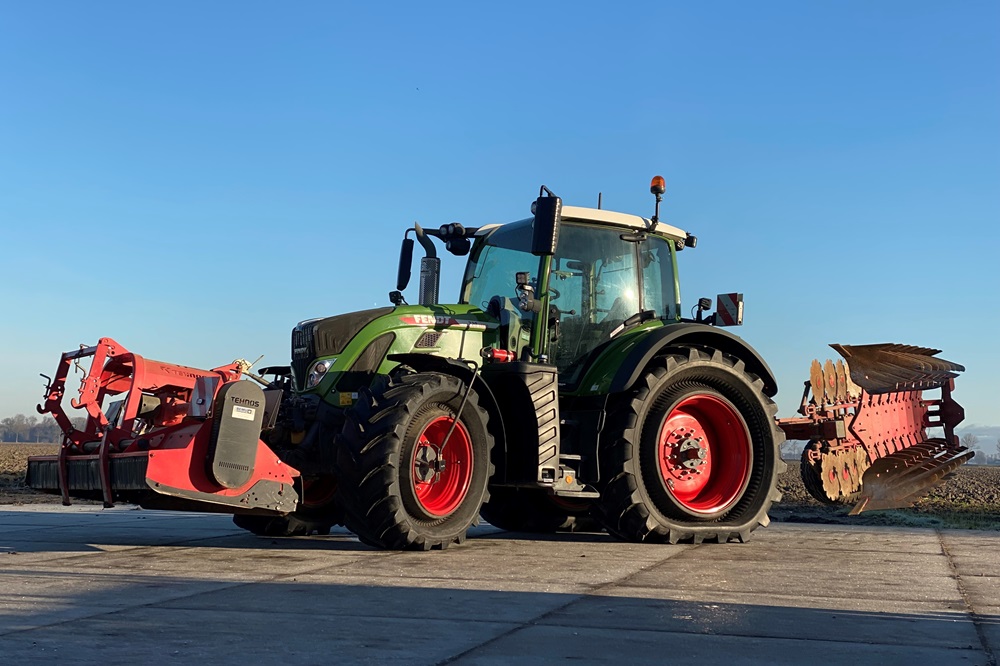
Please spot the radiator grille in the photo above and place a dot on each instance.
(302, 352)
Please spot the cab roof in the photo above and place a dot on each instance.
(621, 219)
(609, 217)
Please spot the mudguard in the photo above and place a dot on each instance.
(651, 342)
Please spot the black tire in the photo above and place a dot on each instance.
(530, 510)
(811, 478)
(845, 478)
(393, 496)
(318, 513)
(695, 454)
(280, 526)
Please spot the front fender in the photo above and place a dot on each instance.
(450, 366)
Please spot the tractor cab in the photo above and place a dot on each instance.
(609, 272)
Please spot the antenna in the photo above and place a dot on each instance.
(599, 200)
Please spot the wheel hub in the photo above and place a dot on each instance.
(693, 454)
(683, 453)
(428, 463)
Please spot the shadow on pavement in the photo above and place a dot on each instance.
(143, 619)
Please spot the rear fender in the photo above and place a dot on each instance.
(656, 340)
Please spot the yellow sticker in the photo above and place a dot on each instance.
(345, 400)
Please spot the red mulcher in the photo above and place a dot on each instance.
(178, 439)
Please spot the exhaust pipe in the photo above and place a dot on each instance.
(430, 269)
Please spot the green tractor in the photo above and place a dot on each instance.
(565, 387)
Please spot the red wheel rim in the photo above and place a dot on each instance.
(441, 478)
(704, 454)
(318, 491)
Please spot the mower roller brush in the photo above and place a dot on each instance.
(566, 389)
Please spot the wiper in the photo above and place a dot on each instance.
(634, 320)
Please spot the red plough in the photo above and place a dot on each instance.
(867, 424)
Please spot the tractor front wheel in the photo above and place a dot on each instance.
(696, 452)
(414, 463)
(318, 513)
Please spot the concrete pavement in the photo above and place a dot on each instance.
(127, 586)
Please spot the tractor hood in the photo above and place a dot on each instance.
(315, 338)
(356, 345)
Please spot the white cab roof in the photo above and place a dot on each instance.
(620, 219)
(579, 214)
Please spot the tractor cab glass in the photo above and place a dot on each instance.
(599, 280)
(494, 264)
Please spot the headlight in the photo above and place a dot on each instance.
(316, 372)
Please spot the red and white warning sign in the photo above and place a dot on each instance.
(729, 310)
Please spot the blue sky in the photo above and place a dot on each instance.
(194, 178)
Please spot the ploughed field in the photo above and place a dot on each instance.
(969, 499)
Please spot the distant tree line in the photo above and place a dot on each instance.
(21, 428)
(971, 442)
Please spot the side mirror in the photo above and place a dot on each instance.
(405, 264)
(545, 230)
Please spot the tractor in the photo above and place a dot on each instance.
(565, 390)
(565, 384)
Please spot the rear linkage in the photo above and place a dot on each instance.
(867, 422)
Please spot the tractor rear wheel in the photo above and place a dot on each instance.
(695, 454)
(412, 476)
(530, 510)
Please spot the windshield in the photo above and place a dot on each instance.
(493, 265)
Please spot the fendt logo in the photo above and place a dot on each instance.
(246, 402)
(430, 320)
(444, 321)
